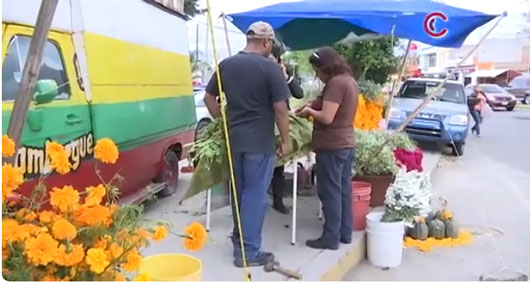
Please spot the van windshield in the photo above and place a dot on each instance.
(419, 89)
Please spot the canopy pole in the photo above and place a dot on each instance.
(429, 97)
(393, 90)
(226, 35)
(31, 72)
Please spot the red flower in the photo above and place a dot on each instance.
(410, 159)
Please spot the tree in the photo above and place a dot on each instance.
(191, 8)
(302, 61)
(370, 59)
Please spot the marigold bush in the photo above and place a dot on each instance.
(85, 236)
(369, 114)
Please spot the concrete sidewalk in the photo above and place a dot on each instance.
(217, 259)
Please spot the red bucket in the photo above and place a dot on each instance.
(360, 203)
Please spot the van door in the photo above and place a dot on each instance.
(65, 119)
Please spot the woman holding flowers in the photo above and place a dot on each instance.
(334, 144)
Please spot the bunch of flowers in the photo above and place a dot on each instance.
(409, 196)
(369, 114)
(411, 160)
(84, 236)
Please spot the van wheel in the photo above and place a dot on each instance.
(458, 149)
(169, 174)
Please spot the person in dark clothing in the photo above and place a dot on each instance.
(278, 178)
(256, 92)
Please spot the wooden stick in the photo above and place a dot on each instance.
(31, 72)
(430, 96)
(394, 90)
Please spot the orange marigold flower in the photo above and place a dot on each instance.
(29, 230)
(92, 215)
(133, 261)
(160, 233)
(196, 236)
(59, 157)
(106, 151)
(97, 260)
(47, 216)
(115, 250)
(11, 232)
(5, 254)
(64, 230)
(49, 278)
(70, 256)
(142, 233)
(119, 277)
(65, 199)
(41, 249)
(447, 215)
(142, 277)
(103, 242)
(95, 195)
(12, 178)
(26, 215)
(8, 146)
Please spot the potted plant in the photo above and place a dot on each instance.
(408, 197)
(378, 169)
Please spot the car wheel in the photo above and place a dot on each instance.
(169, 174)
(510, 108)
(526, 100)
(458, 149)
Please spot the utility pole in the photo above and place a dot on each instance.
(31, 71)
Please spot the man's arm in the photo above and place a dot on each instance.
(211, 104)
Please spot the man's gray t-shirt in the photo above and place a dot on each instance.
(252, 83)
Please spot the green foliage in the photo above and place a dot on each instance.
(368, 142)
(370, 59)
(191, 9)
(370, 90)
(302, 60)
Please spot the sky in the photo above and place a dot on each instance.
(518, 12)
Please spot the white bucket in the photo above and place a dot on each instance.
(384, 242)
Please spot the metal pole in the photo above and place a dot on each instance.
(295, 199)
(393, 91)
(226, 35)
(31, 71)
(208, 208)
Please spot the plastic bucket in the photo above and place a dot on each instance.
(384, 241)
(172, 267)
(360, 203)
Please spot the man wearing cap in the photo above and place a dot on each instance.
(256, 93)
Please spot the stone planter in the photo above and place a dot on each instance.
(379, 186)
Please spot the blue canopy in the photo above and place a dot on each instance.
(313, 23)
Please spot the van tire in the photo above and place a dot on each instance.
(169, 175)
(526, 99)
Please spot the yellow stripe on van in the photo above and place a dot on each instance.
(121, 71)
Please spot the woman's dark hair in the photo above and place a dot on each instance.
(329, 62)
(277, 52)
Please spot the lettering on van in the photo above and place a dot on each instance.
(34, 161)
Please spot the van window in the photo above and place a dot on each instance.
(419, 89)
(52, 67)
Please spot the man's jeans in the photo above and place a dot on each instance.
(253, 173)
(334, 171)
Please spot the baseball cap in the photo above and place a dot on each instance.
(261, 30)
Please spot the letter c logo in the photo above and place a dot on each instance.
(429, 22)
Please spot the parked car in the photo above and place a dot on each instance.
(520, 88)
(445, 120)
(496, 96)
(201, 111)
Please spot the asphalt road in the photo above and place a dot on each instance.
(506, 138)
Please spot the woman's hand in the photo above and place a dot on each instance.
(304, 112)
(284, 70)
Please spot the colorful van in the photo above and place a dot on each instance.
(122, 70)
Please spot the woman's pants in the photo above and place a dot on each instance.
(334, 172)
(476, 118)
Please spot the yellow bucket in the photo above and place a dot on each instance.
(172, 267)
